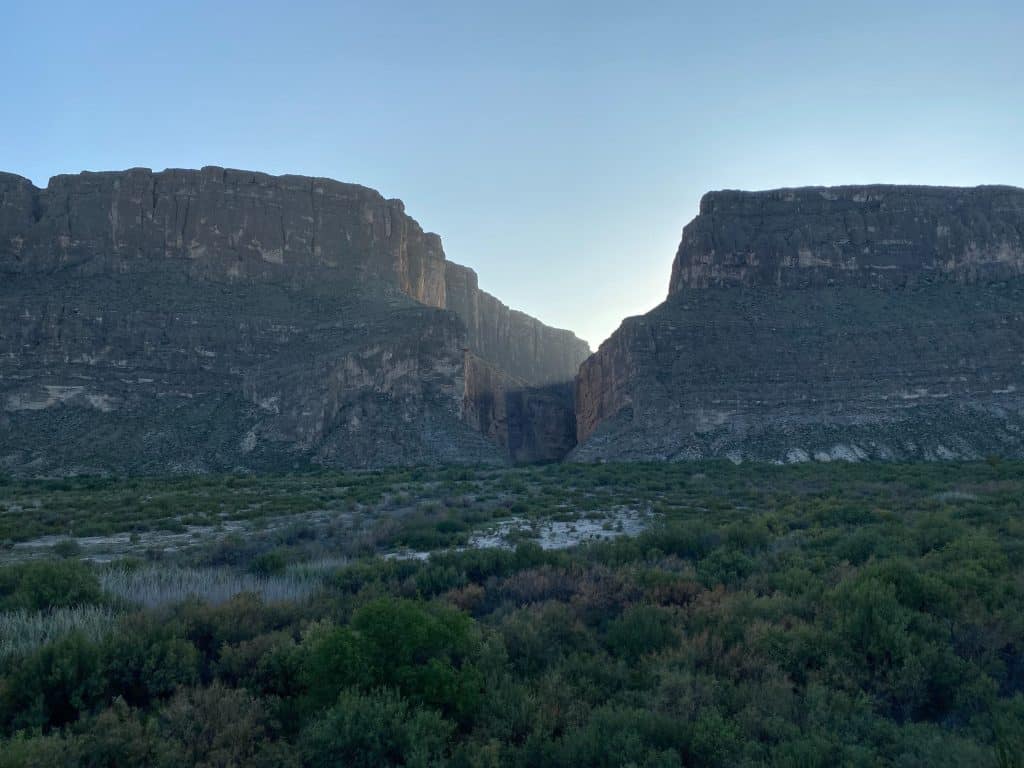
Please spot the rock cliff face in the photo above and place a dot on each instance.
(533, 423)
(220, 225)
(219, 319)
(880, 236)
(516, 343)
(849, 323)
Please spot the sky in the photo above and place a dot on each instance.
(558, 148)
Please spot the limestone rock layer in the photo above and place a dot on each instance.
(220, 319)
(876, 236)
(845, 323)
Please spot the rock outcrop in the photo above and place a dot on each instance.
(220, 319)
(843, 323)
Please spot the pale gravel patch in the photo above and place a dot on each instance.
(549, 534)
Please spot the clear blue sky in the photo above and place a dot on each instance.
(557, 147)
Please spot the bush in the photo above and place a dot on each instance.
(145, 660)
(619, 737)
(423, 651)
(641, 629)
(48, 584)
(269, 564)
(218, 727)
(375, 730)
(52, 686)
(67, 548)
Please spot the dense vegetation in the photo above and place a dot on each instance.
(819, 615)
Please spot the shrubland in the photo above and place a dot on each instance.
(815, 615)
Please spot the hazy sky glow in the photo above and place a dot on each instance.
(557, 147)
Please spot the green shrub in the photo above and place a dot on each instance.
(52, 686)
(376, 729)
(423, 651)
(640, 630)
(48, 584)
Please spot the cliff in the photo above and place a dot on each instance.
(220, 225)
(881, 236)
(220, 319)
(855, 322)
(533, 423)
(516, 343)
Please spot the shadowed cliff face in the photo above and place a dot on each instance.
(882, 322)
(533, 423)
(218, 319)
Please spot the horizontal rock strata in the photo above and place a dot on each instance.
(847, 323)
(219, 320)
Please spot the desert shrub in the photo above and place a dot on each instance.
(48, 584)
(52, 686)
(268, 664)
(423, 651)
(67, 548)
(375, 729)
(687, 540)
(617, 736)
(540, 636)
(269, 563)
(245, 616)
(118, 735)
(146, 660)
(218, 727)
(818, 615)
(25, 750)
(640, 630)
(724, 565)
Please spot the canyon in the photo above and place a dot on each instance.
(224, 320)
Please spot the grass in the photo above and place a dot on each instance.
(24, 631)
(150, 586)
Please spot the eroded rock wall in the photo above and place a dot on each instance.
(532, 423)
(216, 320)
(222, 225)
(516, 343)
(876, 322)
(113, 373)
(877, 236)
(520, 373)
